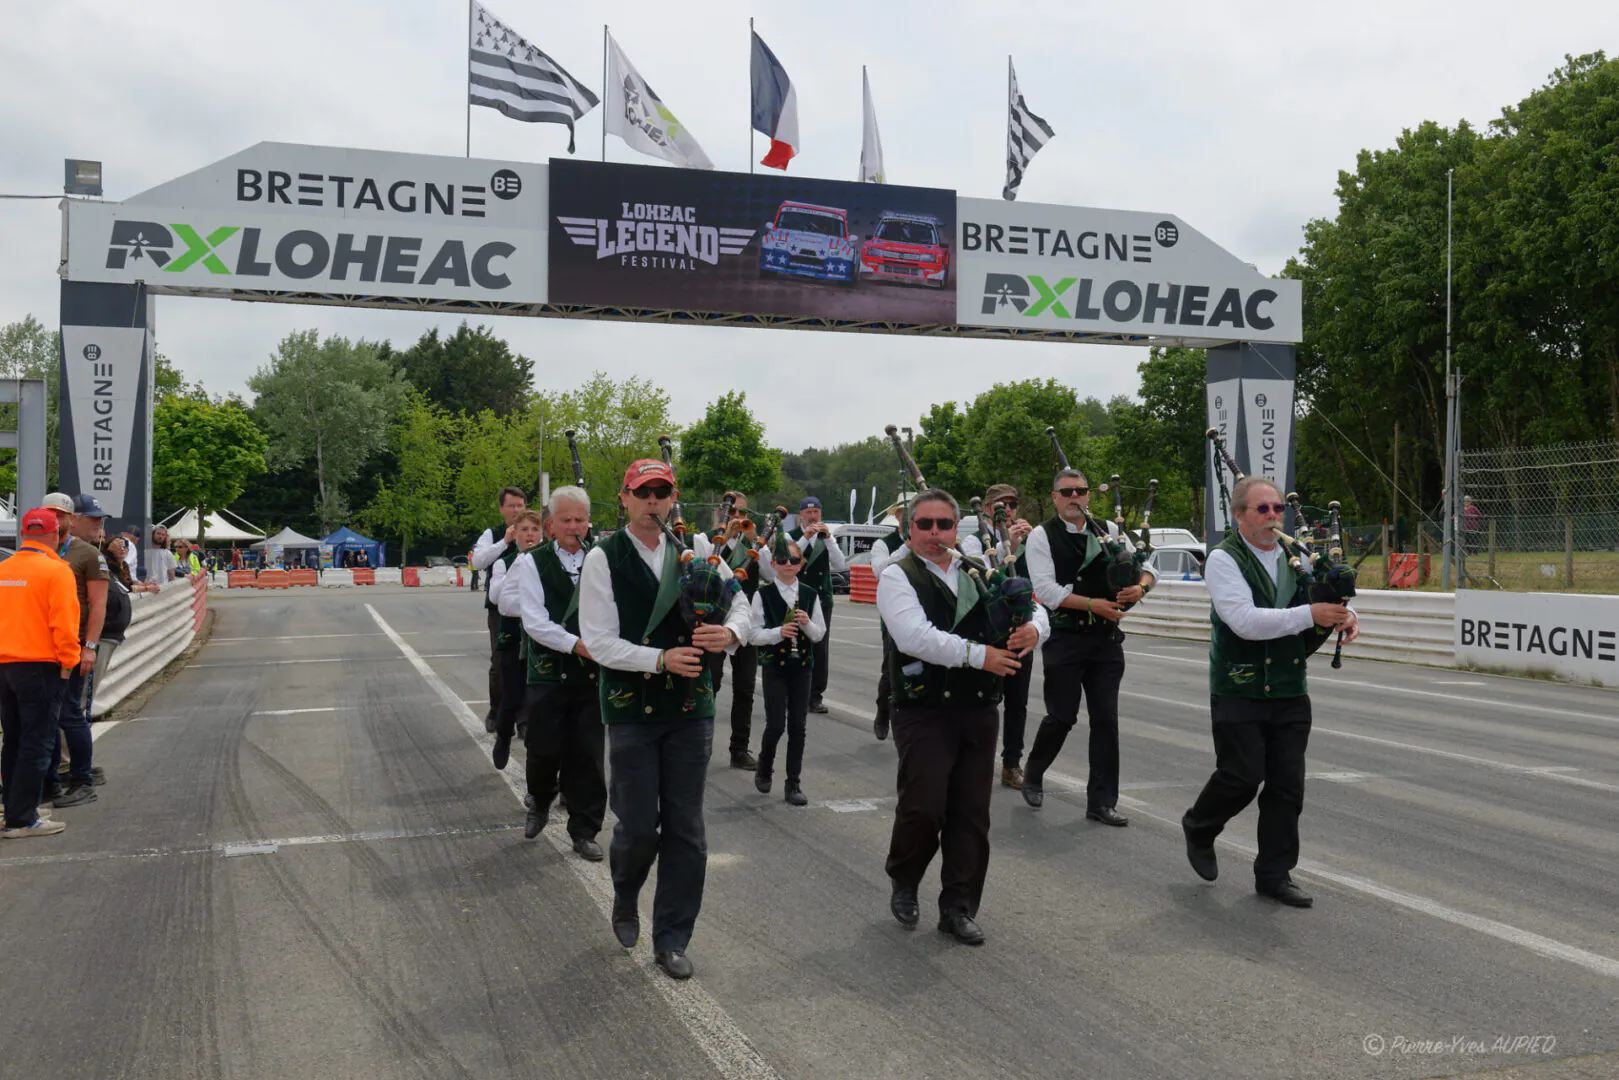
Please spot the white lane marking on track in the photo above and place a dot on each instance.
(1527, 939)
(1498, 703)
(709, 1025)
(101, 727)
(855, 644)
(295, 712)
(1553, 772)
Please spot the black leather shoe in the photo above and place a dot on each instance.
(904, 907)
(626, 925)
(534, 822)
(1107, 816)
(502, 752)
(795, 796)
(674, 964)
(1201, 856)
(879, 728)
(761, 782)
(817, 707)
(960, 925)
(741, 759)
(489, 724)
(588, 849)
(1286, 893)
(1034, 791)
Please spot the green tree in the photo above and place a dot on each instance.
(29, 351)
(494, 452)
(616, 422)
(416, 501)
(726, 450)
(203, 453)
(326, 406)
(1004, 435)
(941, 451)
(467, 372)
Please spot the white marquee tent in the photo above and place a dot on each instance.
(217, 529)
(287, 540)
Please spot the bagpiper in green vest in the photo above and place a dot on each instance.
(1077, 559)
(510, 634)
(649, 614)
(562, 604)
(1261, 669)
(817, 571)
(915, 682)
(783, 654)
(496, 533)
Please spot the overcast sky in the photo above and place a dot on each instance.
(1235, 116)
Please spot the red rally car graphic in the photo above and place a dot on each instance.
(906, 247)
(805, 240)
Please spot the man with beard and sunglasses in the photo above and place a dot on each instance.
(657, 700)
(1085, 657)
(1264, 630)
(947, 679)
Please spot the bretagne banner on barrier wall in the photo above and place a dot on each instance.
(287, 217)
(1564, 634)
(1089, 270)
(698, 240)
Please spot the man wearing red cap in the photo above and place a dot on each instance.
(657, 700)
(39, 650)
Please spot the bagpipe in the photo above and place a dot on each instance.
(705, 593)
(579, 482)
(756, 541)
(1327, 578)
(1123, 566)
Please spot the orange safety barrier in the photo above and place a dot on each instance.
(862, 584)
(365, 577)
(199, 601)
(303, 577)
(1407, 571)
(410, 576)
(240, 579)
(273, 579)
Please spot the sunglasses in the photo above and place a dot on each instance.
(934, 524)
(791, 560)
(1073, 492)
(1270, 508)
(652, 491)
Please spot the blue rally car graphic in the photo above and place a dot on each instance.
(805, 240)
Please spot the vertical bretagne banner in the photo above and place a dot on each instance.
(102, 368)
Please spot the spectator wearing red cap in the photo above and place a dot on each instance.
(39, 650)
(657, 700)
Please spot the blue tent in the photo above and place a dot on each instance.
(346, 539)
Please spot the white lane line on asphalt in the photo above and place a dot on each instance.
(1552, 772)
(1527, 939)
(101, 727)
(855, 644)
(296, 712)
(286, 637)
(709, 1025)
(1497, 703)
(327, 660)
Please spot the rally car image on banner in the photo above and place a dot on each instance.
(811, 241)
(906, 247)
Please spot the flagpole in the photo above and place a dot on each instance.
(750, 95)
(604, 92)
(469, 78)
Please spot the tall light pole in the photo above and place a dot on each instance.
(1453, 498)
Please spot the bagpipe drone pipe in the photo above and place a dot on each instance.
(705, 591)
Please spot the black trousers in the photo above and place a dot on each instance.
(744, 673)
(492, 617)
(883, 689)
(1015, 712)
(1258, 743)
(1086, 667)
(946, 770)
(787, 691)
(823, 654)
(658, 772)
(512, 685)
(30, 698)
(564, 745)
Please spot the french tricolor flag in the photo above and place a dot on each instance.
(775, 106)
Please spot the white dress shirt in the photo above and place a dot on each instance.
(497, 592)
(914, 633)
(881, 557)
(971, 546)
(835, 558)
(524, 580)
(490, 546)
(1043, 571)
(1234, 598)
(598, 613)
(762, 633)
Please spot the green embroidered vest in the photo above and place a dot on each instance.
(1261, 669)
(562, 604)
(782, 654)
(649, 614)
(817, 570)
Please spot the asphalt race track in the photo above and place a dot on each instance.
(304, 866)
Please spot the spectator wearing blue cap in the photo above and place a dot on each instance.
(90, 575)
(822, 558)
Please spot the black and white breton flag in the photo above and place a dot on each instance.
(509, 74)
(1026, 133)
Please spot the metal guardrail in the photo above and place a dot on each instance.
(161, 627)
(1394, 625)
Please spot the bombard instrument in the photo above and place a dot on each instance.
(986, 538)
(912, 473)
(1340, 576)
(579, 479)
(677, 520)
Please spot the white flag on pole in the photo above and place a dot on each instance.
(871, 143)
(638, 116)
